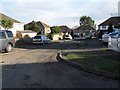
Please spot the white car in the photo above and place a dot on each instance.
(105, 37)
(68, 36)
(114, 42)
(40, 39)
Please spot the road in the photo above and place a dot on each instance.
(35, 66)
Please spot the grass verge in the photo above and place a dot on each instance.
(93, 61)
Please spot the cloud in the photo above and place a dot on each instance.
(58, 12)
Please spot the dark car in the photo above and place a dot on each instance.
(7, 41)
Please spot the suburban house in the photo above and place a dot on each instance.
(87, 29)
(65, 29)
(103, 27)
(45, 29)
(17, 25)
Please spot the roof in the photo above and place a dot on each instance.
(3, 16)
(65, 29)
(85, 27)
(41, 23)
(27, 31)
(111, 20)
(45, 25)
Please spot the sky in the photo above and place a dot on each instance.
(59, 12)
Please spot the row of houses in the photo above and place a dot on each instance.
(102, 27)
(18, 27)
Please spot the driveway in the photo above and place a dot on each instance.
(35, 66)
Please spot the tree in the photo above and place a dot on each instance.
(26, 27)
(110, 28)
(86, 20)
(6, 24)
(55, 30)
(33, 26)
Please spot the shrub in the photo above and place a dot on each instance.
(26, 36)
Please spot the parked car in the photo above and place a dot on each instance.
(105, 37)
(68, 36)
(76, 36)
(114, 42)
(88, 36)
(40, 39)
(7, 41)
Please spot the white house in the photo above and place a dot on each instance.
(17, 25)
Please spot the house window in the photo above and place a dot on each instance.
(104, 27)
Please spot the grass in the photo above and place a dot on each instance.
(94, 61)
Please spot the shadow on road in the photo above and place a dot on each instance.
(92, 43)
(51, 75)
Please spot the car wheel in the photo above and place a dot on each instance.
(9, 48)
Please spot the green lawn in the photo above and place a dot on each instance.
(94, 61)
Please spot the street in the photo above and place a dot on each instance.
(36, 66)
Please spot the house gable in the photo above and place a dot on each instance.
(44, 27)
(111, 20)
(65, 29)
(84, 29)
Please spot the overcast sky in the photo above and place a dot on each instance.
(59, 12)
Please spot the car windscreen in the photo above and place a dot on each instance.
(9, 33)
(37, 37)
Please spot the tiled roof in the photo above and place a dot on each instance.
(85, 27)
(41, 23)
(45, 25)
(111, 20)
(3, 16)
(65, 29)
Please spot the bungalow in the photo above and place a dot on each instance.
(65, 29)
(17, 25)
(84, 29)
(103, 27)
(45, 29)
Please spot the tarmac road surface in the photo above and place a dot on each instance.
(35, 66)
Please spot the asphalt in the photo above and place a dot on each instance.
(36, 66)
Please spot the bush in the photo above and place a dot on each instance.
(55, 30)
(26, 36)
(18, 35)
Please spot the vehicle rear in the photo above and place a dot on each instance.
(40, 39)
(37, 40)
